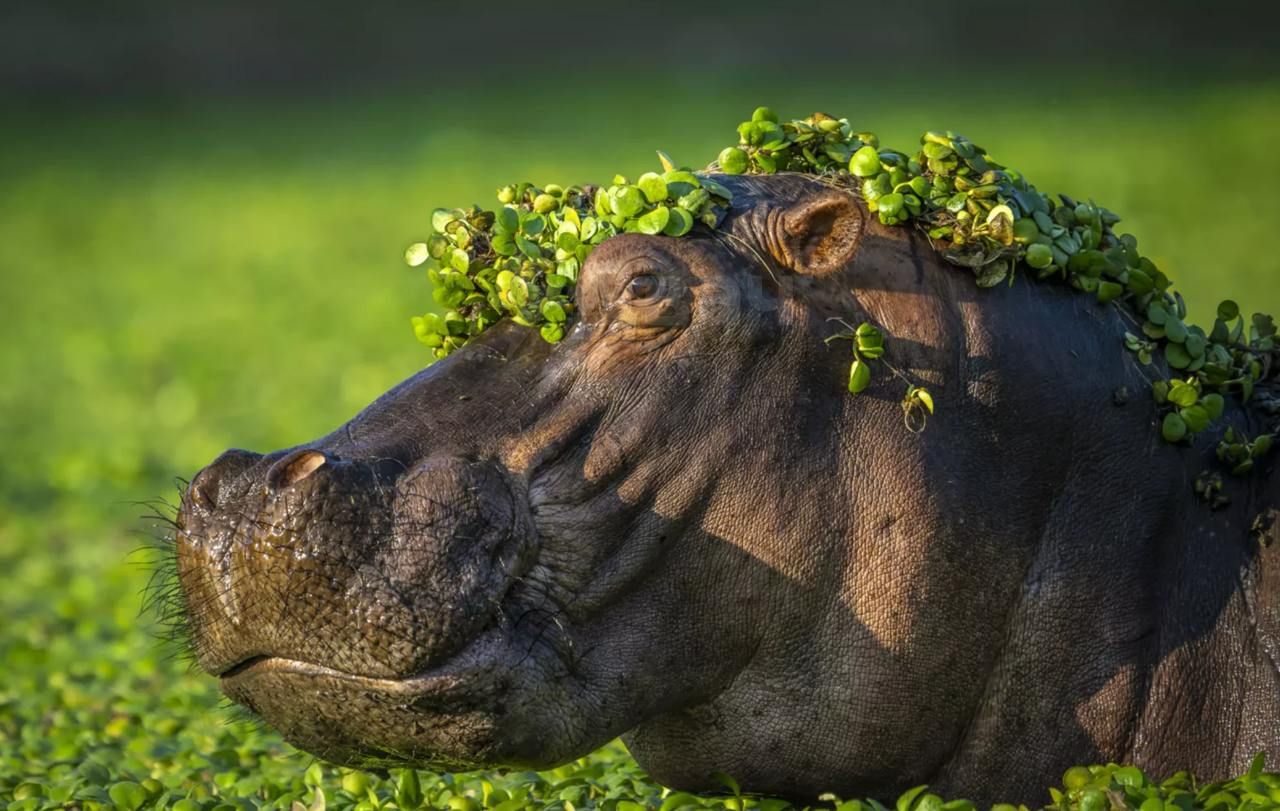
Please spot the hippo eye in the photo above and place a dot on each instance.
(643, 286)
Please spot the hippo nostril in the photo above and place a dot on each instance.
(200, 497)
(294, 467)
(205, 489)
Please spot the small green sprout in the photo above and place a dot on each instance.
(868, 344)
(1239, 453)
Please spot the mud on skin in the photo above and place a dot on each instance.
(673, 525)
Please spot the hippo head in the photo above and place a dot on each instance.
(525, 550)
(676, 522)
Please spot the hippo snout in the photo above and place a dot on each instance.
(366, 567)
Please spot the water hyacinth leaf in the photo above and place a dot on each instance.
(1195, 345)
(680, 183)
(869, 341)
(1182, 394)
(653, 187)
(992, 274)
(507, 220)
(1160, 391)
(1262, 445)
(865, 162)
(1025, 231)
(532, 224)
(733, 161)
(440, 219)
(1173, 428)
(518, 291)
(437, 246)
(408, 793)
(553, 311)
(1221, 333)
(454, 323)
(679, 222)
(1039, 256)
(1214, 404)
(1109, 291)
(936, 147)
(626, 201)
(859, 377)
(529, 248)
(566, 246)
(654, 221)
(1176, 356)
(921, 396)
(1000, 221)
(1139, 283)
(503, 245)
(127, 795)
(695, 201)
(459, 260)
(891, 204)
(416, 254)
(1195, 417)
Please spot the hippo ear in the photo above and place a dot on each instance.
(820, 235)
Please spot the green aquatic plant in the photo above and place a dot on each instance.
(522, 259)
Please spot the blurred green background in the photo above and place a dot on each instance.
(203, 212)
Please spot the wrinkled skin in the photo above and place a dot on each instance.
(677, 526)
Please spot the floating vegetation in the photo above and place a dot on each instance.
(521, 261)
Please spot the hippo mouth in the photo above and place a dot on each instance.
(256, 666)
(456, 673)
(452, 716)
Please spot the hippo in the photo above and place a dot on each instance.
(677, 526)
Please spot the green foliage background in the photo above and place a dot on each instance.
(178, 280)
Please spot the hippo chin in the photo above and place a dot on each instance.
(677, 526)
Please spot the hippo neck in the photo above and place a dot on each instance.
(1075, 554)
(1213, 602)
